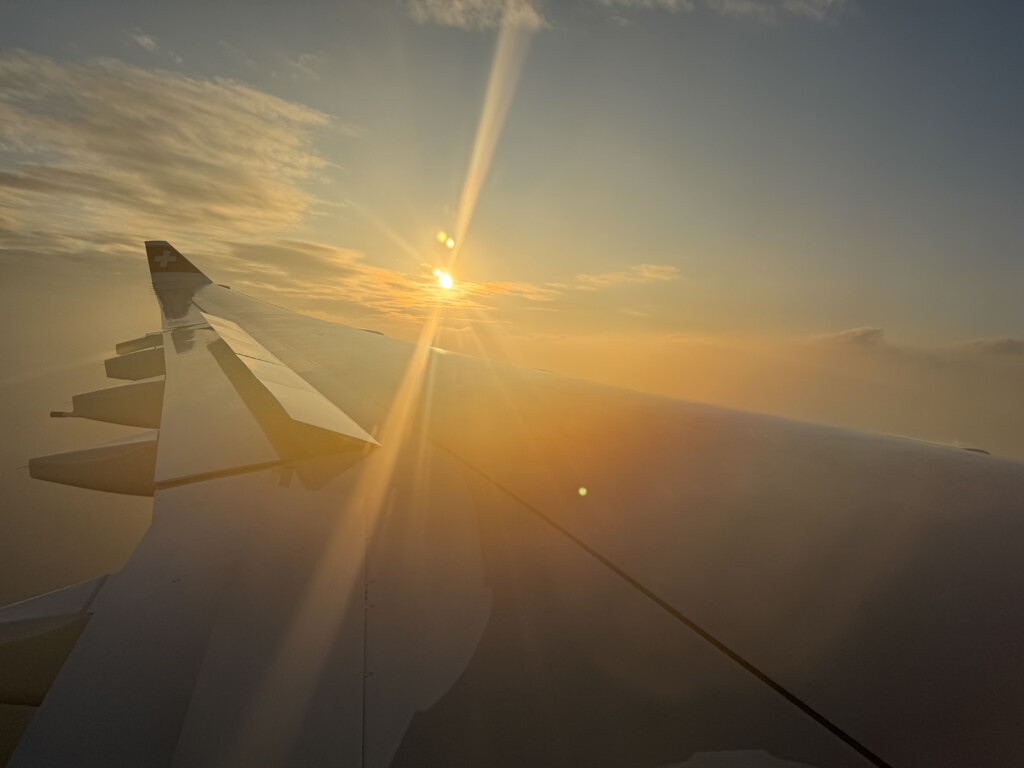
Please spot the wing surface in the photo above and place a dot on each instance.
(366, 551)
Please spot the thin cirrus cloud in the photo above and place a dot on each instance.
(767, 11)
(477, 14)
(1000, 346)
(867, 336)
(339, 283)
(107, 154)
(102, 142)
(149, 43)
(488, 14)
(640, 273)
(872, 339)
(141, 39)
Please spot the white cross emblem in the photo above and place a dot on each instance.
(163, 258)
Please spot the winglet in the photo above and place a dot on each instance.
(163, 257)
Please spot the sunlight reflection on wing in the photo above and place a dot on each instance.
(275, 715)
(276, 711)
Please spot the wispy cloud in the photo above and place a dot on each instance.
(102, 155)
(767, 11)
(149, 43)
(141, 39)
(477, 14)
(640, 273)
(304, 65)
(816, 10)
(666, 5)
(1003, 346)
(340, 283)
(100, 142)
(543, 292)
(873, 340)
(855, 337)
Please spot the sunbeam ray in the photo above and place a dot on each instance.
(513, 41)
(277, 710)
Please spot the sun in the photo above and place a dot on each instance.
(444, 279)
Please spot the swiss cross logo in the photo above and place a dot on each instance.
(164, 258)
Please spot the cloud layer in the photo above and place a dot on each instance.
(103, 142)
(477, 14)
(640, 273)
(481, 14)
(340, 283)
(488, 14)
(857, 337)
(106, 155)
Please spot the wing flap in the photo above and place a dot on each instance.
(135, 405)
(301, 401)
(122, 466)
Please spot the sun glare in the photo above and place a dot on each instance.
(445, 280)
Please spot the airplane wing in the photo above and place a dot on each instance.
(368, 552)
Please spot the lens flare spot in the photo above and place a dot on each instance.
(442, 236)
(445, 280)
(583, 491)
(437, 273)
(450, 243)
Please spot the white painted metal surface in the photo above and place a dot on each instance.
(205, 427)
(301, 401)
